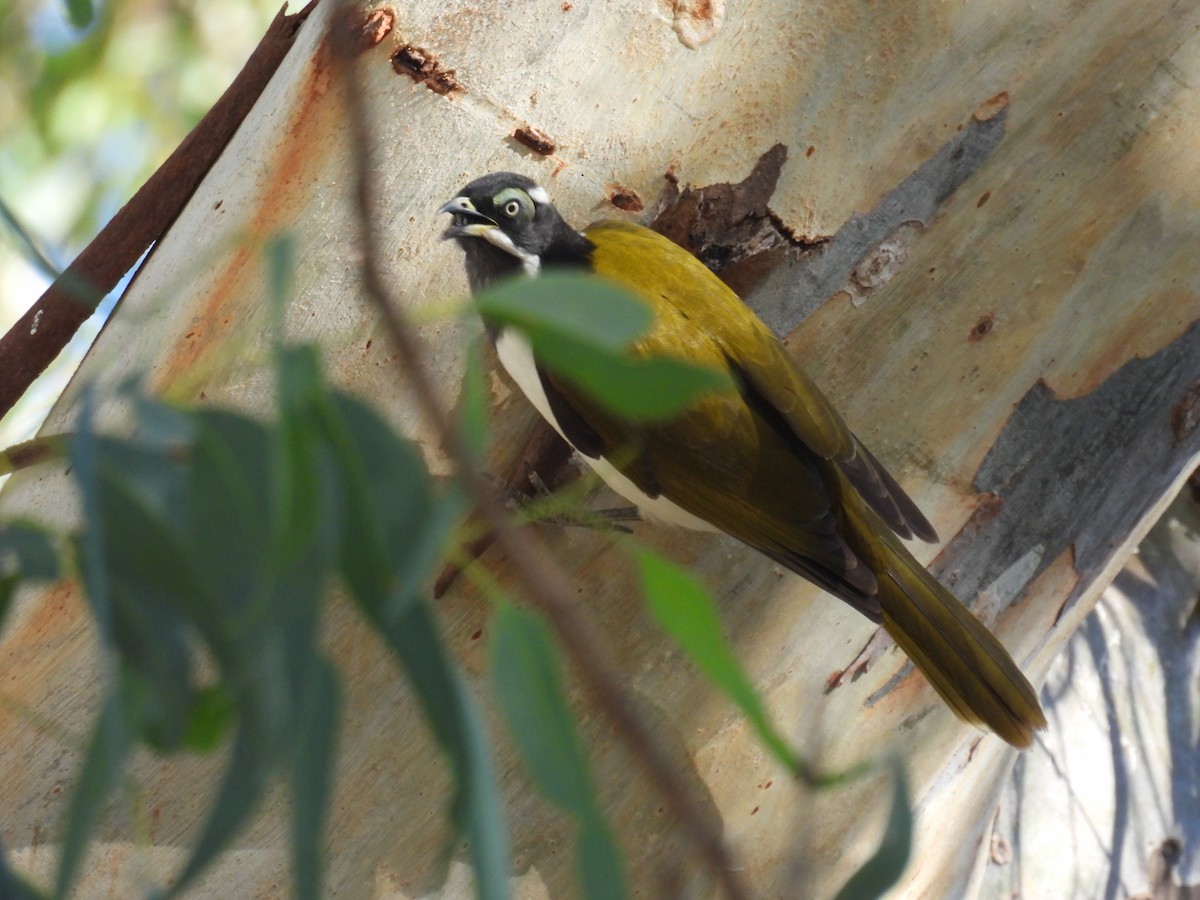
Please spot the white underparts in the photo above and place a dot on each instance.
(517, 358)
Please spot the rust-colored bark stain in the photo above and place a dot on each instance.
(625, 199)
(43, 643)
(367, 28)
(992, 107)
(982, 328)
(289, 178)
(423, 67)
(1185, 417)
(535, 139)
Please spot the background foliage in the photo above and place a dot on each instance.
(85, 116)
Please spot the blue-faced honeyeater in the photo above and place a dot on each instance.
(771, 463)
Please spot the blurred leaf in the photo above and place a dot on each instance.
(601, 868)
(555, 305)
(634, 387)
(683, 608)
(80, 12)
(883, 870)
(241, 789)
(281, 267)
(27, 552)
(396, 525)
(31, 247)
(82, 455)
(300, 389)
(478, 813)
(473, 404)
(12, 885)
(526, 677)
(101, 770)
(581, 327)
(311, 776)
(211, 717)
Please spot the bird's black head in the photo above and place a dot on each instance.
(507, 225)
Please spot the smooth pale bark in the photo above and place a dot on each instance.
(1029, 372)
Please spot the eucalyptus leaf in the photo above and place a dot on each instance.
(526, 677)
(27, 552)
(80, 12)
(642, 389)
(456, 724)
(102, 765)
(883, 870)
(312, 774)
(579, 307)
(12, 885)
(684, 609)
(242, 787)
(473, 403)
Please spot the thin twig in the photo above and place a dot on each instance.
(543, 581)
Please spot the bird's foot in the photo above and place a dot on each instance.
(546, 509)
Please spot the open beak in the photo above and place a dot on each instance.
(467, 220)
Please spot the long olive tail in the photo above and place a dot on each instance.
(963, 661)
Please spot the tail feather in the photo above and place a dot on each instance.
(963, 661)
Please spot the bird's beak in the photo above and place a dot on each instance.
(467, 219)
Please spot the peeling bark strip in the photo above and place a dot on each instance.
(812, 277)
(39, 335)
(1058, 473)
(424, 68)
(723, 224)
(535, 139)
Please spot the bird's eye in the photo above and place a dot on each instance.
(514, 203)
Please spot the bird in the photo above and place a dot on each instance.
(769, 462)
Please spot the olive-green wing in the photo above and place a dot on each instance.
(771, 381)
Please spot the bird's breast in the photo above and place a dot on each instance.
(516, 355)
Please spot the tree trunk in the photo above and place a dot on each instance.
(980, 242)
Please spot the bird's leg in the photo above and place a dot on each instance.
(545, 465)
(574, 515)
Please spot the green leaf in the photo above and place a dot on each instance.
(311, 775)
(26, 553)
(473, 404)
(281, 269)
(477, 810)
(574, 306)
(526, 677)
(101, 770)
(581, 327)
(683, 608)
(396, 524)
(883, 870)
(240, 791)
(12, 885)
(211, 717)
(28, 549)
(80, 12)
(601, 868)
(644, 389)
(298, 486)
